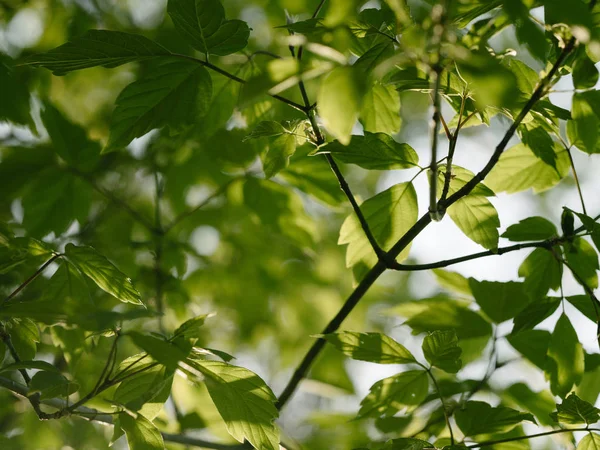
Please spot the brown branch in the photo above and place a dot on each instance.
(413, 232)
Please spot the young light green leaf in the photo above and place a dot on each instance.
(480, 418)
(380, 112)
(244, 401)
(565, 358)
(390, 395)
(340, 99)
(500, 301)
(377, 151)
(267, 129)
(103, 273)
(51, 384)
(477, 218)
(590, 441)
(542, 272)
(530, 229)
(453, 281)
(202, 23)
(98, 48)
(459, 177)
(519, 169)
(574, 410)
(141, 433)
(278, 155)
(372, 347)
(175, 94)
(389, 214)
(441, 350)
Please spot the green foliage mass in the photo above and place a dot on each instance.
(184, 183)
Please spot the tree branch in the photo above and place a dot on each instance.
(497, 252)
(413, 232)
(107, 418)
(522, 438)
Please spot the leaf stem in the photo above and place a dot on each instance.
(444, 406)
(576, 179)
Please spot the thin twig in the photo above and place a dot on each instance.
(453, 139)
(496, 252)
(32, 277)
(199, 206)
(530, 436)
(444, 406)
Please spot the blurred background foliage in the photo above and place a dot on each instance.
(262, 254)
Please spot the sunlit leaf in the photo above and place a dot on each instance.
(373, 347)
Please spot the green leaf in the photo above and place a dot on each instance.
(585, 73)
(103, 273)
(542, 272)
(372, 347)
(191, 328)
(40, 365)
(69, 140)
(592, 226)
(585, 305)
(590, 441)
(141, 433)
(278, 154)
(565, 358)
(380, 112)
(24, 335)
(583, 129)
(538, 140)
(162, 351)
(51, 384)
(66, 198)
(480, 418)
(406, 444)
(537, 311)
(313, 177)
(441, 350)
(390, 395)
(530, 229)
(145, 392)
(582, 257)
(500, 301)
(567, 222)
(520, 169)
(389, 214)
(15, 106)
(540, 404)
(477, 218)
(244, 401)
(573, 410)
(453, 281)
(459, 177)
(443, 314)
(98, 48)
(267, 129)
(377, 151)
(340, 99)
(202, 23)
(532, 344)
(175, 94)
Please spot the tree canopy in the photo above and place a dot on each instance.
(277, 224)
